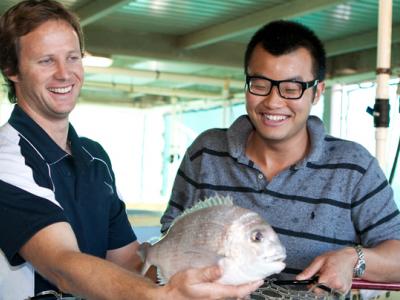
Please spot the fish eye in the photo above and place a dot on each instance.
(257, 236)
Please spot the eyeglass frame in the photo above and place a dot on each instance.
(304, 85)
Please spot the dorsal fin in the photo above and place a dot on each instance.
(208, 202)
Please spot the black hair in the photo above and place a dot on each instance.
(282, 37)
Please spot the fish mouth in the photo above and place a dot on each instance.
(277, 257)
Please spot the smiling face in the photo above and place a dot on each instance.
(50, 71)
(276, 119)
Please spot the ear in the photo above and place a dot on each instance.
(320, 90)
(13, 77)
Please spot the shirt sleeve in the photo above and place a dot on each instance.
(120, 230)
(23, 214)
(183, 192)
(374, 211)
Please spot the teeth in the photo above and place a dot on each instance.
(275, 117)
(63, 90)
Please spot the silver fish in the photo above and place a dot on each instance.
(216, 231)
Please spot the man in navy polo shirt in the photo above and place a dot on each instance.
(63, 226)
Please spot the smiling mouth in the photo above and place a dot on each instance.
(275, 118)
(61, 90)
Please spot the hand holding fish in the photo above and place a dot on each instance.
(334, 269)
(201, 284)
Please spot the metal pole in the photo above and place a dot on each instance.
(336, 110)
(381, 107)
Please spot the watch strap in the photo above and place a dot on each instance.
(359, 268)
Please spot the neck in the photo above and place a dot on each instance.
(273, 157)
(57, 129)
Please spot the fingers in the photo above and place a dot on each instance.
(213, 273)
(240, 291)
(209, 274)
(247, 289)
(201, 284)
(311, 270)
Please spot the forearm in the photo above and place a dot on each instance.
(93, 278)
(383, 262)
(54, 253)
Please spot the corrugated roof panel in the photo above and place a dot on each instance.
(180, 17)
(346, 19)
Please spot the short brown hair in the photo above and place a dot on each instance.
(22, 19)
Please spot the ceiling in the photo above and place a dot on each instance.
(190, 52)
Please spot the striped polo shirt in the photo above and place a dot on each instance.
(40, 184)
(336, 196)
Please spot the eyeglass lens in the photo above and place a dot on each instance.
(287, 89)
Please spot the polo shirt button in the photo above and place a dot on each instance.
(260, 176)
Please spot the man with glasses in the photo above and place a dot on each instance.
(327, 198)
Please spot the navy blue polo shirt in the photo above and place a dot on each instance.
(41, 184)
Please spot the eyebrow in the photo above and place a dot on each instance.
(295, 78)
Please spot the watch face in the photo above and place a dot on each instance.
(360, 269)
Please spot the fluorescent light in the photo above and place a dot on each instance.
(96, 61)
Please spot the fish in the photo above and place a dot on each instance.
(216, 231)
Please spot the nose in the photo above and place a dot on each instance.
(273, 99)
(62, 71)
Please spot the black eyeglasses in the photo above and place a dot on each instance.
(288, 89)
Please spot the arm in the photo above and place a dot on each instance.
(375, 217)
(126, 257)
(335, 269)
(383, 262)
(54, 252)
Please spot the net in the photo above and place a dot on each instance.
(271, 291)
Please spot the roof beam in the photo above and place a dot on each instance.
(160, 47)
(358, 41)
(167, 76)
(97, 9)
(223, 31)
(151, 90)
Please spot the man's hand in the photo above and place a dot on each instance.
(334, 269)
(200, 284)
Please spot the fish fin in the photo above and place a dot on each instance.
(142, 252)
(160, 278)
(208, 202)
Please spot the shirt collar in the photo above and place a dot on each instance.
(240, 130)
(238, 134)
(316, 132)
(43, 143)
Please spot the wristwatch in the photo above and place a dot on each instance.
(359, 268)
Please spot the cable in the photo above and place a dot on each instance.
(396, 158)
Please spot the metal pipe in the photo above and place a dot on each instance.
(336, 110)
(381, 108)
(168, 76)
